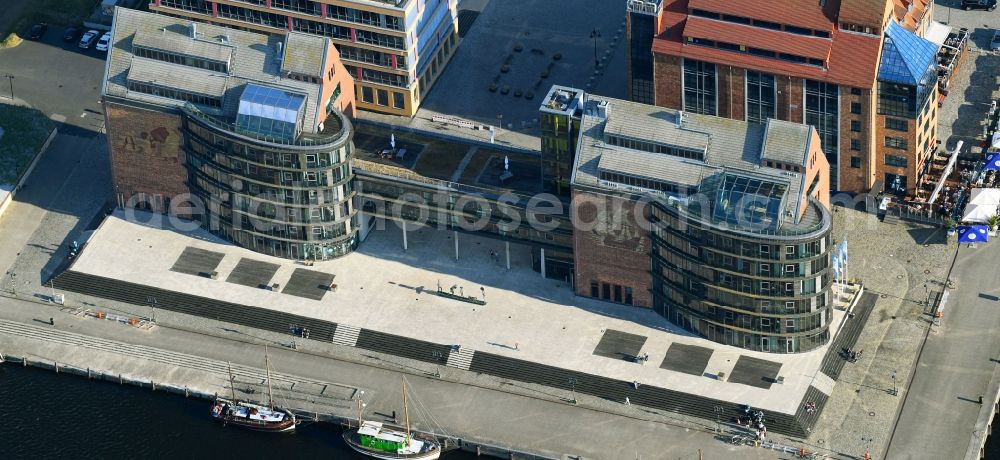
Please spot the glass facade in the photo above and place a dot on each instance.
(762, 293)
(699, 87)
(289, 199)
(269, 112)
(823, 112)
(760, 96)
(641, 52)
(559, 134)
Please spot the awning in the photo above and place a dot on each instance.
(937, 33)
(983, 203)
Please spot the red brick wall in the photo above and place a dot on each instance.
(818, 170)
(856, 180)
(732, 92)
(667, 81)
(145, 152)
(610, 250)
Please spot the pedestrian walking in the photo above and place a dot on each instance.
(52, 321)
(627, 402)
(516, 347)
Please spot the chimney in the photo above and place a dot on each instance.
(680, 118)
(602, 109)
(193, 28)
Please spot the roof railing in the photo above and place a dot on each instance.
(336, 121)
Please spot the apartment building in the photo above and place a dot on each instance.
(857, 70)
(394, 49)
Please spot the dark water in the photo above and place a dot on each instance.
(48, 415)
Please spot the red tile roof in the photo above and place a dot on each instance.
(853, 59)
(801, 13)
(863, 12)
(773, 40)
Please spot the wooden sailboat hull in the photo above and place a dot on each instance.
(351, 438)
(287, 425)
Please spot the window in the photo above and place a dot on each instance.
(895, 142)
(855, 91)
(628, 296)
(895, 183)
(789, 325)
(765, 249)
(760, 96)
(790, 250)
(822, 111)
(897, 124)
(765, 323)
(618, 294)
(855, 162)
(789, 287)
(367, 94)
(895, 160)
(789, 268)
(699, 87)
(767, 24)
(765, 305)
(606, 291)
(765, 269)
(383, 97)
(856, 144)
(855, 107)
(594, 289)
(765, 286)
(855, 126)
(398, 100)
(790, 306)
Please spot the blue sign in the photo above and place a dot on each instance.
(972, 234)
(992, 162)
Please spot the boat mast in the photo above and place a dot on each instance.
(406, 412)
(231, 387)
(267, 370)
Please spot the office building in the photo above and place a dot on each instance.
(244, 132)
(721, 226)
(394, 49)
(859, 71)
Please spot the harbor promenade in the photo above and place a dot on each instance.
(543, 425)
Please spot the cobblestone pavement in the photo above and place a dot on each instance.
(894, 261)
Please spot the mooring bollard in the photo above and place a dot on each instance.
(120, 381)
(153, 384)
(57, 367)
(88, 373)
(24, 361)
(478, 451)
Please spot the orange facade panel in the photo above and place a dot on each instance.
(756, 37)
(801, 13)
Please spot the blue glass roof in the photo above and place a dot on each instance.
(905, 56)
(747, 202)
(269, 112)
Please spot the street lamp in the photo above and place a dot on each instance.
(572, 383)
(11, 79)
(719, 410)
(152, 306)
(595, 34)
(895, 392)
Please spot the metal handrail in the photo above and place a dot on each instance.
(305, 140)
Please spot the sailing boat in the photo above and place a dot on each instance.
(253, 416)
(375, 440)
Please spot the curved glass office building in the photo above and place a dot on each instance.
(721, 226)
(245, 133)
(270, 189)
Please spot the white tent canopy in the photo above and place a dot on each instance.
(937, 33)
(982, 204)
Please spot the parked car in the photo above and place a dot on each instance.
(989, 5)
(995, 42)
(71, 34)
(104, 42)
(89, 38)
(37, 31)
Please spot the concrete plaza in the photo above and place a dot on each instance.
(389, 289)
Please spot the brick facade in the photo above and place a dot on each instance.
(858, 178)
(732, 91)
(667, 81)
(146, 154)
(611, 247)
